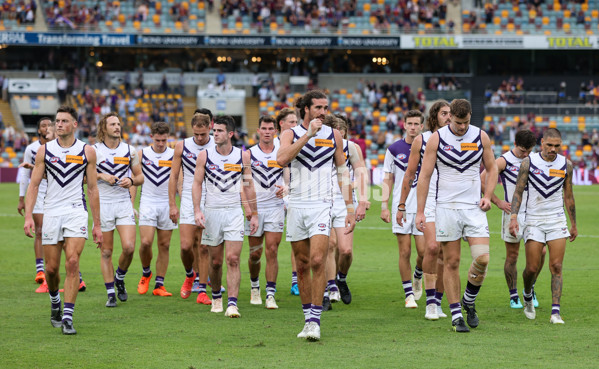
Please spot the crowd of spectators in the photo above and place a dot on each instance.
(443, 84)
(23, 11)
(330, 15)
(509, 92)
(589, 93)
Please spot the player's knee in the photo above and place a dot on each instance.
(432, 248)
(317, 261)
(511, 258)
(106, 253)
(531, 269)
(272, 251)
(482, 260)
(164, 246)
(232, 260)
(216, 263)
(555, 268)
(51, 270)
(71, 265)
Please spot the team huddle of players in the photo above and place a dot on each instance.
(312, 177)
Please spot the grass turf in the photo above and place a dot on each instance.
(375, 331)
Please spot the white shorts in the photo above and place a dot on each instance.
(57, 228)
(186, 214)
(116, 214)
(505, 228)
(156, 215)
(223, 224)
(338, 213)
(453, 224)
(544, 230)
(303, 223)
(430, 214)
(409, 226)
(38, 208)
(269, 220)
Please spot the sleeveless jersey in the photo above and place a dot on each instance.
(65, 170)
(223, 178)
(156, 168)
(29, 157)
(545, 183)
(458, 167)
(266, 173)
(312, 168)
(509, 176)
(190, 153)
(336, 190)
(116, 162)
(431, 198)
(396, 163)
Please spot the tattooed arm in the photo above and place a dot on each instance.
(569, 201)
(517, 197)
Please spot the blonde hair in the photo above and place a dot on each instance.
(101, 135)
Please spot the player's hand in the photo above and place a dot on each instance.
(21, 207)
(505, 206)
(200, 220)
(350, 223)
(136, 213)
(97, 235)
(484, 204)
(400, 217)
(253, 223)
(314, 127)
(173, 214)
(125, 182)
(420, 222)
(26, 165)
(247, 211)
(385, 215)
(108, 178)
(361, 211)
(573, 233)
(514, 227)
(29, 227)
(282, 191)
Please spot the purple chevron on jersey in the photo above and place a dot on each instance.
(153, 173)
(400, 152)
(63, 173)
(544, 184)
(459, 160)
(221, 179)
(265, 176)
(313, 157)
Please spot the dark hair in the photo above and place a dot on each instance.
(432, 122)
(101, 135)
(306, 101)
(39, 122)
(460, 108)
(69, 110)
(159, 128)
(227, 120)
(204, 111)
(282, 115)
(414, 113)
(201, 120)
(345, 118)
(266, 119)
(552, 133)
(526, 139)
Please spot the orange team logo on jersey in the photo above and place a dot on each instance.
(121, 160)
(469, 146)
(323, 143)
(74, 159)
(165, 163)
(273, 164)
(232, 167)
(557, 173)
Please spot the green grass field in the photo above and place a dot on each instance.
(375, 331)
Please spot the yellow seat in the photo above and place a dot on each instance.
(545, 21)
(381, 157)
(587, 148)
(374, 162)
(567, 119)
(581, 119)
(505, 13)
(578, 153)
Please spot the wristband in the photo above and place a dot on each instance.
(131, 179)
(514, 216)
(398, 205)
(350, 209)
(402, 210)
(254, 213)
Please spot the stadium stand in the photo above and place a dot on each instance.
(162, 16)
(17, 14)
(545, 18)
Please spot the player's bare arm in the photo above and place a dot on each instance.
(569, 201)
(289, 149)
(196, 188)
(34, 185)
(249, 190)
(501, 204)
(173, 182)
(521, 182)
(93, 194)
(388, 181)
(492, 173)
(424, 178)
